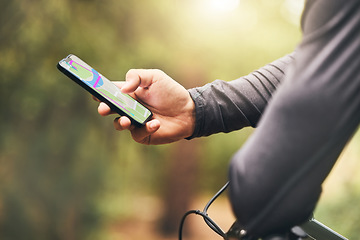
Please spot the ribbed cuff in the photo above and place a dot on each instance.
(199, 112)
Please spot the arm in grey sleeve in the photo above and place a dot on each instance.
(276, 177)
(227, 106)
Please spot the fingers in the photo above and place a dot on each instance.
(140, 135)
(104, 109)
(123, 123)
(140, 78)
(143, 134)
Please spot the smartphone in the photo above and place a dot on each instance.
(104, 90)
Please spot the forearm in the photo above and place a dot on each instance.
(223, 106)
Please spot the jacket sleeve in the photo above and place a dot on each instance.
(276, 178)
(227, 106)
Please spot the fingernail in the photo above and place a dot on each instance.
(153, 125)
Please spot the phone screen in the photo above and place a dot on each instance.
(105, 88)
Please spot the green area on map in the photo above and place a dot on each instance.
(80, 71)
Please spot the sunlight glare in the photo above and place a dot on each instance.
(223, 5)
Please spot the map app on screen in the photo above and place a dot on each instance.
(104, 87)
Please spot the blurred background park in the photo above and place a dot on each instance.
(65, 173)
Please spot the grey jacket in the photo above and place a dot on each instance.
(305, 107)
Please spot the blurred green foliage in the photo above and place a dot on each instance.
(65, 173)
(338, 208)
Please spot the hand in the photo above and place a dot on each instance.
(172, 107)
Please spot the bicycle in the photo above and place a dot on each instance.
(310, 230)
